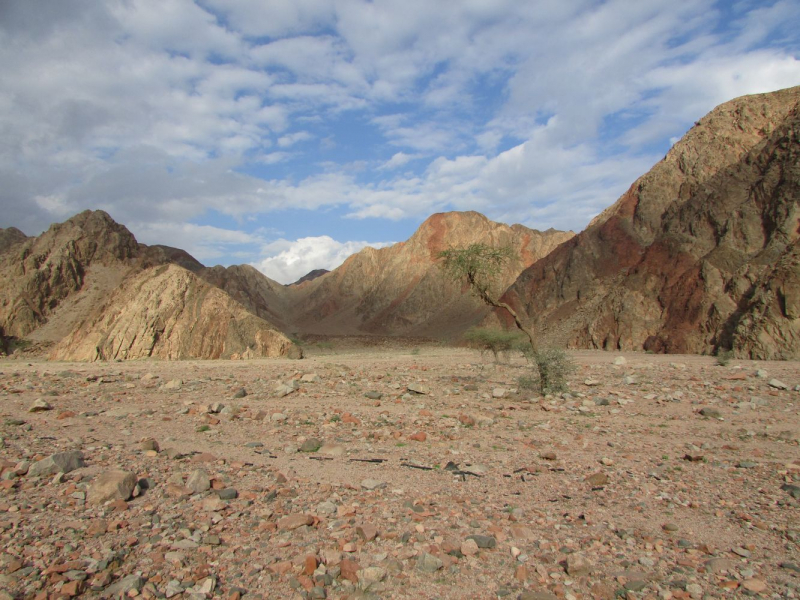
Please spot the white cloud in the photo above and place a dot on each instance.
(399, 159)
(287, 261)
(155, 111)
(290, 139)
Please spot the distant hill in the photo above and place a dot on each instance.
(310, 276)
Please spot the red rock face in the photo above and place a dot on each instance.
(400, 291)
(697, 255)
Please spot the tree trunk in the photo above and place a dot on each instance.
(487, 298)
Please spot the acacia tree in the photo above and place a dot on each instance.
(480, 265)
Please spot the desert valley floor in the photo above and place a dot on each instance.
(401, 473)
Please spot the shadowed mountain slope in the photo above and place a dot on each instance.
(699, 255)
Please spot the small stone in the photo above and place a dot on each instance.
(40, 405)
(778, 385)
(227, 493)
(469, 547)
(418, 388)
(718, 565)
(577, 565)
(373, 395)
(620, 360)
(149, 445)
(294, 521)
(755, 585)
(483, 541)
(420, 436)
(112, 485)
(174, 384)
(283, 390)
(371, 575)
(367, 532)
(710, 412)
(794, 490)
(498, 392)
(198, 481)
(428, 563)
(240, 393)
(62, 462)
(311, 445)
(372, 484)
(598, 479)
(124, 586)
(743, 552)
(694, 590)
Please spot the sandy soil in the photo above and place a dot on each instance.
(466, 488)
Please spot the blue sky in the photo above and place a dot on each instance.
(288, 134)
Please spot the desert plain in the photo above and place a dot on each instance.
(399, 472)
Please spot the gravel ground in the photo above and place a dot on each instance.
(382, 473)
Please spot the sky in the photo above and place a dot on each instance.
(289, 134)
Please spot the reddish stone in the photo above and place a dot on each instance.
(367, 532)
(310, 565)
(418, 437)
(73, 588)
(349, 569)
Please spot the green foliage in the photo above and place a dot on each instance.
(496, 341)
(478, 264)
(554, 367)
(724, 357)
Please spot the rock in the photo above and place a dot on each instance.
(428, 563)
(372, 484)
(794, 490)
(371, 575)
(532, 595)
(710, 412)
(311, 445)
(112, 485)
(173, 384)
(620, 360)
(40, 405)
(283, 390)
(310, 378)
(240, 393)
(483, 541)
(719, 565)
(498, 392)
(227, 494)
(149, 445)
(777, 384)
(578, 566)
(61, 462)
(292, 522)
(373, 395)
(598, 479)
(469, 547)
(754, 585)
(198, 481)
(349, 570)
(367, 532)
(123, 586)
(418, 388)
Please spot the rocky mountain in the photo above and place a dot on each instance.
(10, 237)
(399, 290)
(311, 276)
(169, 312)
(81, 284)
(699, 255)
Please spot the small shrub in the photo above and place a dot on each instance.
(724, 357)
(496, 341)
(554, 367)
